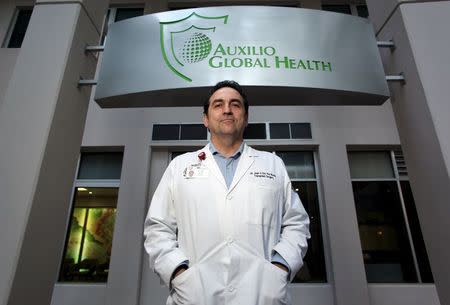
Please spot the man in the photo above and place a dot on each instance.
(224, 226)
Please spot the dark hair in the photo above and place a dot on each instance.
(222, 84)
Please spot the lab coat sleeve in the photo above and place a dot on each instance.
(293, 243)
(160, 231)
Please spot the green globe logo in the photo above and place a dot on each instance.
(196, 48)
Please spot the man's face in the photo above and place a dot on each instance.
(226, 114)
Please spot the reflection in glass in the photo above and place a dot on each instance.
(370, 164)
(362, 11)
(301, 130)
(313, 269)
(126, 13)
(299, 164)
(279, 131)
(193, 132)
(102, 165)
(416, 232)
(88, 248)
(166, 132)
(382, 229)
(255, 131)
(20, 28)
(343, 8)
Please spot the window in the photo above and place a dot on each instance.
(362, 11)
(167, 132)
(181, 5)
(18, 27)
(290, 130)
(89, 239)
(193, 132)
(343, 9)
(255, 131)
(391, 239)
(117, 14)
(301, 168)
(126, 13)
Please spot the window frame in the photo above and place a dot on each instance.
(397, 179)
(267, 124)
(321, 203)
(97, 183)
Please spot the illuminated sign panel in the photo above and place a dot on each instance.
(284, 56)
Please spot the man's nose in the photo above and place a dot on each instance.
(227, 108)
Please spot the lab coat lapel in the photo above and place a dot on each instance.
(210, 162)
(246, 160)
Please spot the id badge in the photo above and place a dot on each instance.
(196, 171)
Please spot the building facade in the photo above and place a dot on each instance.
(76, 179)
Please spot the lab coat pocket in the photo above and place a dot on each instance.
(184, 288)
(280, 272)
(263, 204)
(274, 285)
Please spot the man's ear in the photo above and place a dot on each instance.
(205, 120)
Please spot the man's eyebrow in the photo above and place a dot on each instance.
(237, 100)
(218, 100)
(221, 100)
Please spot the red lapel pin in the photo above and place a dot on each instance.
(202, 156)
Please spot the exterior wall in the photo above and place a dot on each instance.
(333, 128)
(41, 126)
(421, 109)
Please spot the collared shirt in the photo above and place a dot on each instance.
(226, 165)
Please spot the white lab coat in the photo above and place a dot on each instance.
(228, 235)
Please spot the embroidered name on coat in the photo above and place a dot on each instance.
(263, 175)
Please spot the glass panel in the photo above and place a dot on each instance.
(75, 235)
(166, 132)
(100, 165)
(175, 154)
(313, 269)
(255, 131)
(279, 131)
(88, 246)
(301, 131)
(370, 164)
(343, 9)
(193, 132)
(126, 13)
(299, 164)
(362, 11)
(416, 232)
(20, 28)
(384, 240)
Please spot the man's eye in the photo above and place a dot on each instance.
(237, 105)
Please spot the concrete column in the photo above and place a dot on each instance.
(124, 279)
(349, 282)
(422, 110)
(41, 126)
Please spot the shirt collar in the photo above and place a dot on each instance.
(236, 155)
